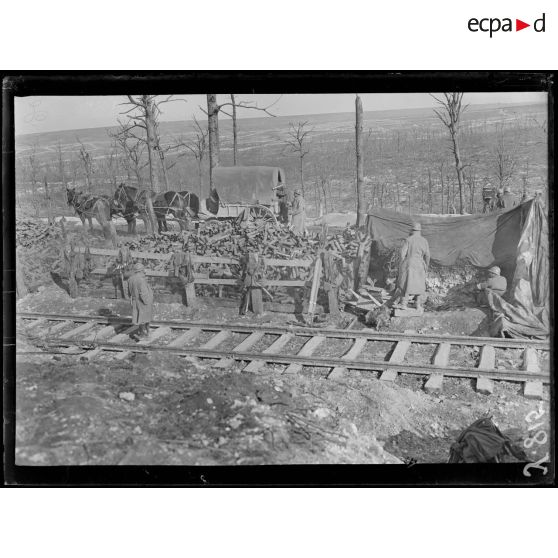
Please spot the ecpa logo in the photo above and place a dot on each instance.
(494, 24)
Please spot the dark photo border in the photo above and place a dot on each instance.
(247, 82)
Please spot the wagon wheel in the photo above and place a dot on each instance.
(261, 212)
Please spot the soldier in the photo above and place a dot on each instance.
(415, 258)
(283, 205)
(141, 297)
(298, 214)
(507, 200)
(495, 284)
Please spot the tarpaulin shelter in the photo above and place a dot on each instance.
(516, 240)
(248, 185)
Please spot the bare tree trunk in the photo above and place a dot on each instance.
(235, 131)
(48, 203)
(200, 179)
(152, 142)
(302, 174)
(213, 131)
(429, 191)
(458, 168)
(164, 169)
(361, 210)
(442, 188)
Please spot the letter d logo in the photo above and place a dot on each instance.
(539, 24)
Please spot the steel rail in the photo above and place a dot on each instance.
(319, 362)
(307, 331)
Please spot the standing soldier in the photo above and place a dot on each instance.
(415, 258)
(298, 214)
(507, 201)
(141, 297)
(283, 206)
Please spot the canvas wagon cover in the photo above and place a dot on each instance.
(247, 184)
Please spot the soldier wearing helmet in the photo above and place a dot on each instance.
(415, 258)
(507, 199)
(495, 284)
(141, 298)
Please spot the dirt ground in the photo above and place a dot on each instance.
(169, 410)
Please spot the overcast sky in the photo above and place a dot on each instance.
(47, 114)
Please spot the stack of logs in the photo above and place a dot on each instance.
(31, 233)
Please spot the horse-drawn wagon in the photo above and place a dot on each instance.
(248, 191)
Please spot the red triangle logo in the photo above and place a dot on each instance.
(519, 25)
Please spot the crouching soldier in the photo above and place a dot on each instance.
(141, 298)
(495, 284)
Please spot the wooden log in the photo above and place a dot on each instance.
(441, 356)
(315, 285)
(390, 374)
(188, 335)
(487, 359)
(307, 350)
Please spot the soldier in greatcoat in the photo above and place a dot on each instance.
(415, 258)
(141, 297)
(298, 213)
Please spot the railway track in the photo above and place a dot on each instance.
(335, 351)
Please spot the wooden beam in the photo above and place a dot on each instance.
(217, 339)
(441, 356)
(274, 348)
(487, 359)
(339, 371)
(188, 335)
(78, 330)
(398, 355)
(307, 350)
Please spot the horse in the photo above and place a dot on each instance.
(129, 200)
(489, 199)
(166, 203)
(88, 206)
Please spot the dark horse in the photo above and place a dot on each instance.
(88, 206)
(182, 205)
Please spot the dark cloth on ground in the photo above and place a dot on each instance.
(482, 442)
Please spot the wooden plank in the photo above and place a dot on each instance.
(36, 323)
(531, 360)
(434, 383)
(339, 371)
(275, 347)
(249, 342)
(90, 355)
(484, 385)
(307, 350)
(397, 356)
(103, 333)
(275, 262)
(400, 351)
(533, 390)
(78, 330)
(242, 347)
(153, 336)
(188, 335)
(441, 356)
(59, 326)
(217, 339)
(315, 286)
(487, 359)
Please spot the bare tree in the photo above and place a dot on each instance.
(504, 159)
(61, 170)
(33, 168)
(212, 112)
(360, 175)
(132, 149)
(298, 142)
(143, 115)
(87, 162)
(450, 115)
(198, 148)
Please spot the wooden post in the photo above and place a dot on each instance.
(256, 300)
(359, 166)
(315, 286)
(21, 288)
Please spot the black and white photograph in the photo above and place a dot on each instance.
(282, 278)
